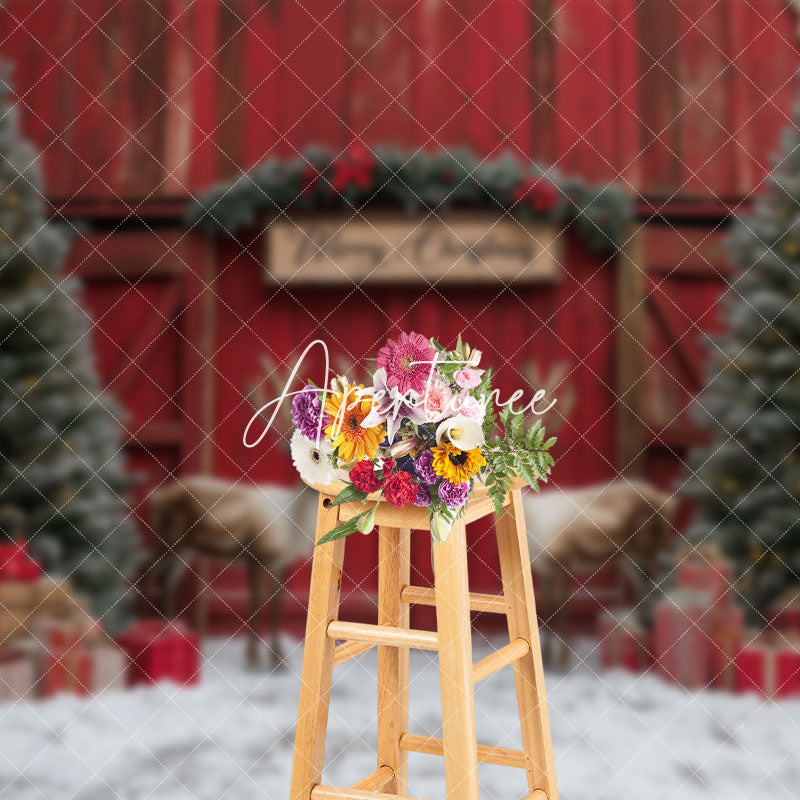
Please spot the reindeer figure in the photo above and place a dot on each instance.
(267, 527)
(625, 521)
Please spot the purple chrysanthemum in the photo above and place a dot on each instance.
(306, 412)
(423, 466)
(453, 495)
(423, 497)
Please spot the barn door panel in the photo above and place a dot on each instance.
(686, 270)
(132, 289)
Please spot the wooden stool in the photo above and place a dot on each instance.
(452, 641)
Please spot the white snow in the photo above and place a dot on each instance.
(616, 736)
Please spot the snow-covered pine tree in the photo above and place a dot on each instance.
(60, 462)
(747, 478)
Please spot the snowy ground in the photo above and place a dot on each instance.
(616, 736)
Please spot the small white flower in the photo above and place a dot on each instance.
(312, 462)
(461, 431)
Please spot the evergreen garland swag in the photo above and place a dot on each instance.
(386, 177)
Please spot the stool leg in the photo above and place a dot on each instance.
(394, 572)
(455, 665)
(515, 569)
(315, 686)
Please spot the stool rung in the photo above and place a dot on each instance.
(376, 781)
(423, 596)
(383, 634)
(504, 756)
(512, 652)
(537, 794)
(332, 793)
(344, 652)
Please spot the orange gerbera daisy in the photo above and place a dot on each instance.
(347, 410)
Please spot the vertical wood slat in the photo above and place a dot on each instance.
(455, 664)
(543, 80)
(631, 353)
(178, 114)
(198, 378)
(703, 73)
(232, 108)
(394, 572)
(657, 33)
(315, 683)
(512, 544)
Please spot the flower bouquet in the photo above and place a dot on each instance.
(425, 433)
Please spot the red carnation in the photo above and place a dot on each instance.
(364, 478)
(400, 490)
(388, 467)
(541, 195)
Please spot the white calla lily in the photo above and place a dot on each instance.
(463, 432)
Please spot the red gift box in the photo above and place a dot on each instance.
(161, 651)
(770, 666)
(623, 642)
(681, 638)
(65, 665)
(16, 564)
(726, 642)
(784, 616)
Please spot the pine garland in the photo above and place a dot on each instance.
(416, 182)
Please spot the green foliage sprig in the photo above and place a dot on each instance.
(512, 450)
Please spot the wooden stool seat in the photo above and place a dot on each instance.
(393, 637)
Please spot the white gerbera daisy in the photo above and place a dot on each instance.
(312, 462)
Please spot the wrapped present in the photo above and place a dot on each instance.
(727, 638)
(17, 675)
(769, 665)
(69, 657)
(54, 595)
(623, 641)
(22, 602)
(109, 666)
(18, 596)
(161, 650)
(681, 638)
(16, 564)
(713, 575)
(784, 615)
(65, 665)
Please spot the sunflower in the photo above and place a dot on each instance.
(347, 410)
(454, 465)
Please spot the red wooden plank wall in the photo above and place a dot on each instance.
(140, 102)
(136, 107)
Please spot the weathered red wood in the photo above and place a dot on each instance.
(657, 32)
(543, 79)
(682, 250)
(163, 100)
(125, 255)
(228, 102)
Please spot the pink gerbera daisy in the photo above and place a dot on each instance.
(408, 362)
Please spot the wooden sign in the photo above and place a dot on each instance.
(399, 249)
